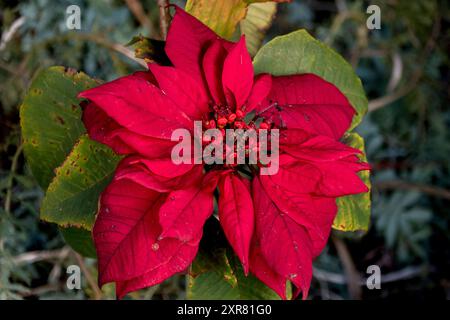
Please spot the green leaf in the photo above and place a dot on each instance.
(212, 278)
(298, 52)
(50, 119)
(258, 19)
(80, 240)
(216, 272)
(71, 198)
(219, 276)
(354, 211)
(51, 126)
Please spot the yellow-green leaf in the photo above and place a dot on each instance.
(222, 16)
(258, 19)
(354, 211)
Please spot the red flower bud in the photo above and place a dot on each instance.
(231, 117)
(222, 121)
(238, 124)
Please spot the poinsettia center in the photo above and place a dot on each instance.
(245, 139)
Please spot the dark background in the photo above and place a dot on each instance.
(404, 69)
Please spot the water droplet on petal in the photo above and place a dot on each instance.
(155, 246)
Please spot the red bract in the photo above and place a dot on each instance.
(152, 214)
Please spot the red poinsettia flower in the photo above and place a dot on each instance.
(152, 213)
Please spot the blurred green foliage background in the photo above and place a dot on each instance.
(404, 67)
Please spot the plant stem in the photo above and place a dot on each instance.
(10, 182)
(44, 255)
(95, 38)
(164, 17)
(352, 275)
(138, 11)
(406, 185)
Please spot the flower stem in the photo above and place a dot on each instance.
(164, 17)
